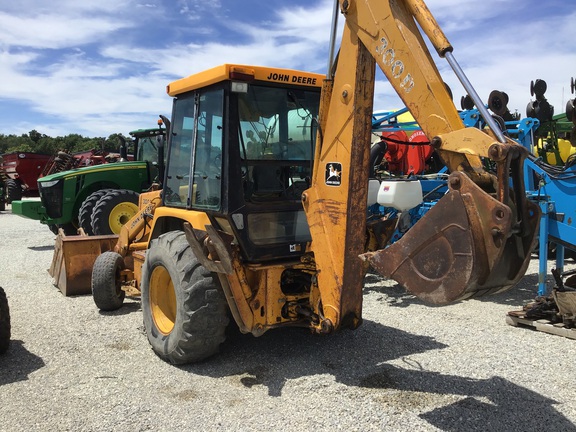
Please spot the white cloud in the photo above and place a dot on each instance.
(503, 45)
(525, 52)
(195, 9)
(49, 31)
(293, 38)
(83, 89)
(65, 8)
(48, 60)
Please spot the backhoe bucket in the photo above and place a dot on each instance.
(73, 259)
(469, 244)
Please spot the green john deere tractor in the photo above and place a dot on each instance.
(100, 198)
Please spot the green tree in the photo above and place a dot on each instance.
(35, 136)
(37, 142)
(46, 145)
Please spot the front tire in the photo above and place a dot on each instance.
(184, 308)
(107, 289)
(113, 210)
(4, 322)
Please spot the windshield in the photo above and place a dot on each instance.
(276, 123)
(276, 137)
(148, 148)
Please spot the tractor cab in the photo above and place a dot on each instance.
(240, 151)
(147, 142)
(149, 147)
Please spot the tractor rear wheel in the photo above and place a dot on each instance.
(185, 311)
(107, 289)
(113, 210)
(4, 322)
(86, 209)
(14, 190)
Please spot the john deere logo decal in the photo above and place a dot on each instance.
(333, 174)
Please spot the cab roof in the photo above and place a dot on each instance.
(234, 72)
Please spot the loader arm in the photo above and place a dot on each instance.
(476, 240)
(134, 234)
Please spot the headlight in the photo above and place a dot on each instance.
(49, 184)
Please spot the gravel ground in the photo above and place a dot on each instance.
(408, 367)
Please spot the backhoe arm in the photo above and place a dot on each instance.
(476, 240)
(389, 31)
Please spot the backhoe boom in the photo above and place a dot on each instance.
(477, 239)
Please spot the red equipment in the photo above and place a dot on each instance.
(406, 156)
(24, 167)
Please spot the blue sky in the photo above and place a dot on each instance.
(97, 67)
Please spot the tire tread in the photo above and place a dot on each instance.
(87, 208)
(201, 327)
(104, 280)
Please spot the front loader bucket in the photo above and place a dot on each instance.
(73, 259)
(469, 244)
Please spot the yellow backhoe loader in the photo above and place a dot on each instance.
(263, 213)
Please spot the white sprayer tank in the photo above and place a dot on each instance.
(400, 194)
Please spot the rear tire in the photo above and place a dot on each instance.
(87, 208)
(4, 322)
(107, 289)
(185, 311)
(14, 190)
(113, 210)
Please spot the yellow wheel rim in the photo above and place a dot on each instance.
(162, 300)
(121, 214)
